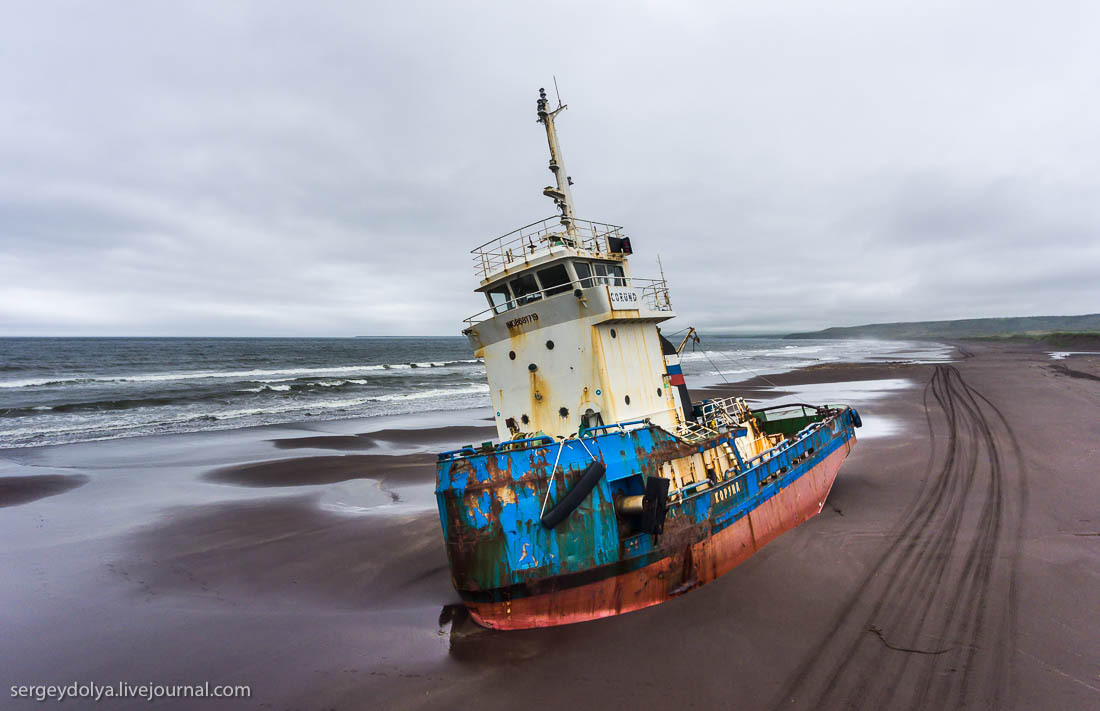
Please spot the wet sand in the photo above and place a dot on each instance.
(312, 471)
(957, 562)
(15, 490)
(389, 436)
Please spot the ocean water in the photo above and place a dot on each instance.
(60, 390)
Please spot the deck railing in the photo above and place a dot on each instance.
(764, 469)
(718, 415)
(518, 246)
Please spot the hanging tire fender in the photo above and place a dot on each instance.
(580, 491)
(856, 419)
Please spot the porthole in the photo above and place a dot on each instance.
(524, 419)
(549, 345)
(612, 333)
(627, 399)
(564, 412)
(512, 355)
(658, 392)
(532, 367)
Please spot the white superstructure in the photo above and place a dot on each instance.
(570, 337)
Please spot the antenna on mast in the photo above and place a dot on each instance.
(562, 195)
(664, 282)
(556, 90)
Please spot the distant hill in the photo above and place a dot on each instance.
(1024, 326)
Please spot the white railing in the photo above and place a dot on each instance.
(717, 415)
(518, 246)
(654, 294)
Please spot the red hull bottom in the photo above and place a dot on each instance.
(660, 581)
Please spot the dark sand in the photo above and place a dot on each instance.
(311, 471)
(16, 490)
(293, 553)
(326, 442)
(370, 440)
(957, 562)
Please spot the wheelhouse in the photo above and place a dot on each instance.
(558, 277)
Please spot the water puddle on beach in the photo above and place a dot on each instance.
(856, 393)
(369, 497)
(1062, 355)
(846, 392)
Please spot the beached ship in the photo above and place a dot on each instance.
(609, 490)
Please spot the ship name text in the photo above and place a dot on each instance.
(522, 320)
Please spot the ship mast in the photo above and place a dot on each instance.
(562, 195)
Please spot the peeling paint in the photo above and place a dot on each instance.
(490, 505)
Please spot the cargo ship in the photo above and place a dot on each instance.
(608, 489)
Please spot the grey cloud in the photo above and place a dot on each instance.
(261, 168)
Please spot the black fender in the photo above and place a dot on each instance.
(561, 510)
(655, 505)
(856, 419)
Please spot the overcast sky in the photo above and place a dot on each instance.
(312, 168)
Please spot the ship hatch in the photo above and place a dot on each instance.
(591, 418)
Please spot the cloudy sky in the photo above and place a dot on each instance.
(236, 168)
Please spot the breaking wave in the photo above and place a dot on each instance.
(272, 375)
(56, 391)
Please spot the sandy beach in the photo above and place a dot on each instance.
(957, 562)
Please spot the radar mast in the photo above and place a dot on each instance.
(562, 195)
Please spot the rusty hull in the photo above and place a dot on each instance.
(688, 566)
(512, 572)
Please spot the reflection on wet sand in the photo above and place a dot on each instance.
(15, 490)
(298, 577)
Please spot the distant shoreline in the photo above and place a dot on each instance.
(1057, 330)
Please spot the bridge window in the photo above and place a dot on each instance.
(610, 274)
(554, 279)
(498, 299)
(584, 273)
(526, 289)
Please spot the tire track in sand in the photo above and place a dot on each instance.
(933, 621)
